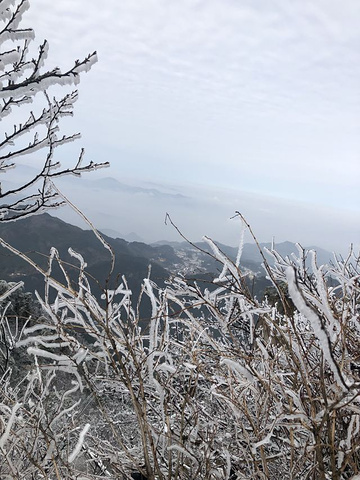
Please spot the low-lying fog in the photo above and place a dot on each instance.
(136, 210)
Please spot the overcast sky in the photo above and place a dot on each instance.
(251, 97)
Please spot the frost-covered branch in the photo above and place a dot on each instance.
(21, 80)
(212, 383)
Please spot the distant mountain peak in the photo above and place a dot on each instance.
(110, 183)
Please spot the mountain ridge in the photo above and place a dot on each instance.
(132, 259)
(45, 231)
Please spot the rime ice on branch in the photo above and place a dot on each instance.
(21, 80)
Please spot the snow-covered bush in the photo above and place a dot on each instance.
(214, 384)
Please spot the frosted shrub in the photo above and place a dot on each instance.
(215, 384)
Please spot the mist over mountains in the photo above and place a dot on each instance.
(135, 210)
(112, 185)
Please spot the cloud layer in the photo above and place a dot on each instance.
(255, 96)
